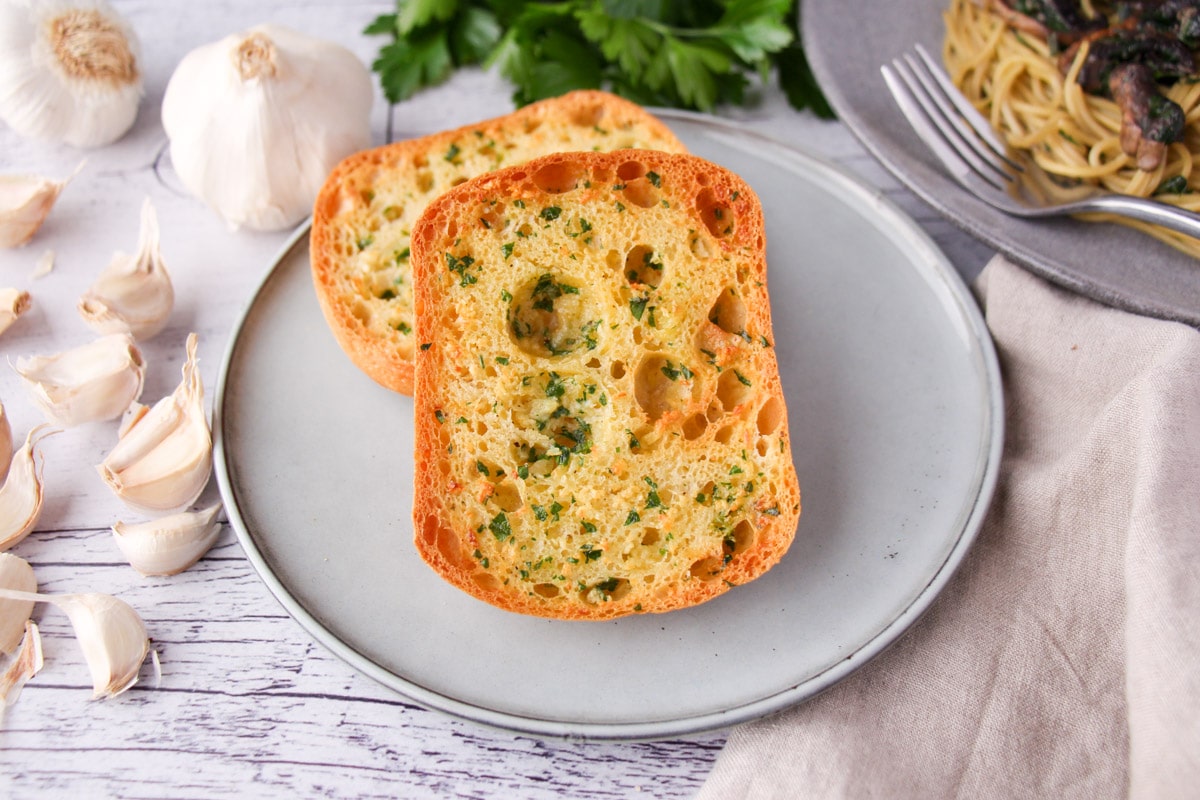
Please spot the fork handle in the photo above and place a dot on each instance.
(1172, 217)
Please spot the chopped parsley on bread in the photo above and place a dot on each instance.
(364, 214)
(600, 424)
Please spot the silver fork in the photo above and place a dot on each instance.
(963, 140)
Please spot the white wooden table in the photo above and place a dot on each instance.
(248, 704)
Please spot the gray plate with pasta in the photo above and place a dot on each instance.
(848, 40)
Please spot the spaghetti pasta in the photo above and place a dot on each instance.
(1013, 78)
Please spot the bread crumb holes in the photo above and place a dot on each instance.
(546, 317)
(694, 426)
(641, 193)
(662, 386)
(770, 416)
(707, 569)
(729, 313)
(631, 170)
(718, 217)
(743, 536)
(559, 177)
(643, 267)
(732, 390)
(588, 116)
(485, 581)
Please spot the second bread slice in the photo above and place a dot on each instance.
(364, 214)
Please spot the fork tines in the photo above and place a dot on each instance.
(950, 126)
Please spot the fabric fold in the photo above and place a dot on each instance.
(1061, 661)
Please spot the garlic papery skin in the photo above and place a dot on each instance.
(110, 633)
(25, 202)
(21, 495)
(13, 303)
(134, 294)
(95, 381)
(69, 71)
(169, 545)
(15, 573)
(44, 266)
(258, 119)
(27, 663)
(163, 461)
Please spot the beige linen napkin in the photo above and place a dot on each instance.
(1063, 660)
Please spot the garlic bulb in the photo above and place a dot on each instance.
(96, 381)
(21, 495)
(15, 573)
(169, 545)
(25, 202)
(27, 664)
(162, 461)
(68, 71)
(258, 119)
(134, 294)
(13, 303)
(110, 633)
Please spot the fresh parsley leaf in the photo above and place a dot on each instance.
(499, 527)
(474, 33)
(412, 63)
(637, 307)
(696, 54)
(754, 30)
(415, 14)
(799, 83)
(694, 68)
(383, 24)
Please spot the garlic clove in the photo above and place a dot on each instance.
(21, 495)
(258, 119)
(69, 71)
(110, 633)
(15, 573)
(132, 416)
(25, 202)
(113, 638)
(13, 303)
(162, 462)
(28, 662)
(169, 545)
(6, 442)
(134, 294)
(95, 381)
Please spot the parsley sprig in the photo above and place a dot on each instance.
(678, 53)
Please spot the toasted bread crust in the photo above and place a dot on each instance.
(367, 206)
(600, 424)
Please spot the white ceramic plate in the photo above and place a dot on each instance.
(848, 40)
(894, 402)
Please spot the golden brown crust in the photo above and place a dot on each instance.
(368, 204)
(600, 424)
